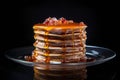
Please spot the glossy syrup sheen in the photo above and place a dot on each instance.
(60, 26)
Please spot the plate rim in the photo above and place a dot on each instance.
(28, 63)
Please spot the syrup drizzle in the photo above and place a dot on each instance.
(46, 47)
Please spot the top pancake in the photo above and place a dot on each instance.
(59, 29)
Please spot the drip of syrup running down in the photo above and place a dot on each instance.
(46, 47)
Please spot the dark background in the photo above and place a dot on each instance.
(18, 18)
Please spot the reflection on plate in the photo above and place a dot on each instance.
(100, 55)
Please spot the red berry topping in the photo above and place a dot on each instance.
(55, 21)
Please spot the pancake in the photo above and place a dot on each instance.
(56, 43)
(58, 30)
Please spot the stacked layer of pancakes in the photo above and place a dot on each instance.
(59, 43)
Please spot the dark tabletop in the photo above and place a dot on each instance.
(18, 19)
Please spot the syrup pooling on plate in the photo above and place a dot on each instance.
(59, 41)
(31, 59)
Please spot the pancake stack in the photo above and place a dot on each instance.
(59, 41)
